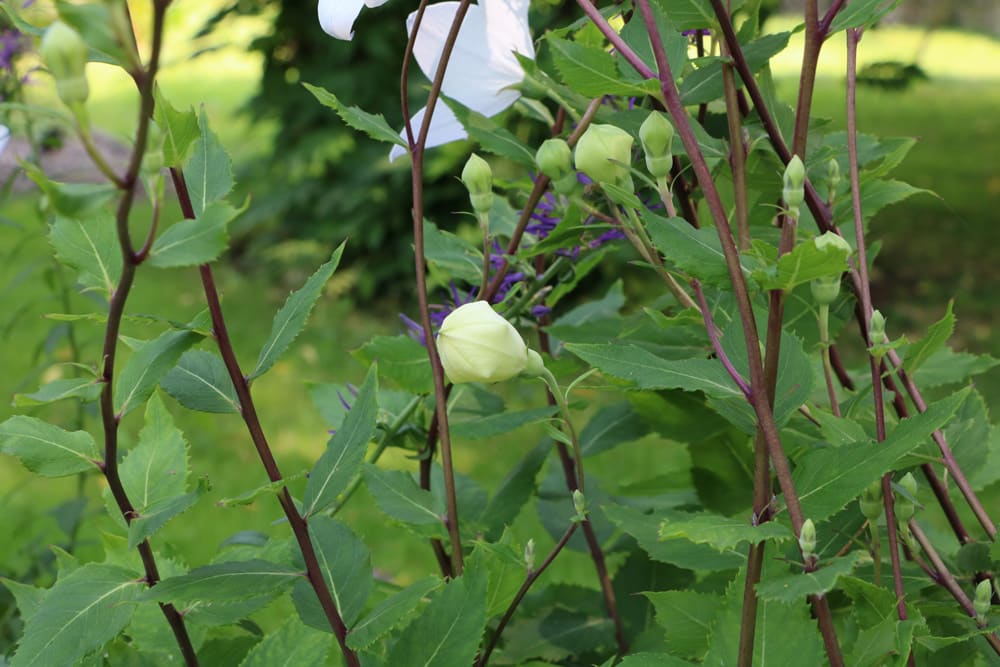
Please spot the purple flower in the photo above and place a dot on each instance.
(704, 32)
(12, 43)
(439, 311)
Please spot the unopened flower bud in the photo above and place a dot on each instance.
(529, 555)
(832, 178)
(793, 192)
(579, 504)
(604, 153)
(807, 539)
(478, 179)
(555, 159)
(905, 505)
(478, 345)
(825, 290)
(830, 241)
(65, 55)
(656, 134)
(876, 329)
(871, 501)
(981, 603)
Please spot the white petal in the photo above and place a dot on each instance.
(444, 129)
(337, 17)
(375, 3)
(4, 137)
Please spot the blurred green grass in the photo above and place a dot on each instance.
(918, 273)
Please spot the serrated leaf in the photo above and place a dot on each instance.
(390, 613)
(697, 252)
(400, 359)
(96, 25)
(491, 426)
(209, 173)
(346, 565)
(399, 496)
(876, 195)
(291, 319)
(828, 479)
(686, 616)
(91, 248)
(147, 366)
(592, 71)
(374, 125)
(720, 532)
(653, 660)
(291, 645)
(28, 598)
(452, 255)
(198, 241)
(859, 13)
(345, 452)
(804, 263)
(648, 371)
(887, 643)
(73, 200)
(557, 635)
(269, 488)
(947, 367)
(179, 128)
(155, 516)
(688, 14)
(792, 586)
(156, 469)
(935, 339)
(225, 582)
(201, 382)
(705, 84)
(46, 449)
(448, 631)
(86, 389)
(613, 425)
(492, 137)
(84, 610)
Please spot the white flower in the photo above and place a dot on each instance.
(337, 17)
(478, 345)
(482, 66)
(4, 137)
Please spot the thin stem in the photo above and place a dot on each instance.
(248, 411)
(713, 336)
(530, 579)
(807, 77)
(82, 123)
(737, 156)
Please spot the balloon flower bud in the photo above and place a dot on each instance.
(555, 159)
(829, 242)
(905, 505)
(579, 504)
(529, 555)
(478, 179)
(871, 501)
(825, 290)
(981, 603)
(656, 134)
(65, 55)
(876, 329)
(604, 153)
(793, 192)
(478, 345)
(807, 539)
(832, 178)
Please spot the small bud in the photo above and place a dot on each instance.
(478, 179)
(579, 504)
(829, 241)
(604, 153)
(905, 507)
(825, 290)
(65, 55)
(832, 178)
(477, 344)
(555, 159)
(656, 134)
(876, 329)
(981, 603)
(793, 192)
(807, 539)
(871, 501)
(529, 555)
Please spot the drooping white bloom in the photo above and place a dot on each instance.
(4, 137)
(337, 17)
(482, 67)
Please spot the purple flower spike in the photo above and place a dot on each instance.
(540, 311)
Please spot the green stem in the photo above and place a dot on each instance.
(550, 380)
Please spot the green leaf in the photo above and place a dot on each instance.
(157, 468)
(453, 256)
(198, 241)
(688, 14)
(291, 319)
(491, 426)
(346, 565)
(680, 552)
(400, 359)
(225, 582)
(399, 496)
(557, 635)
(155, 516)
(447, 632)
(860, 13)
(803, 264)
(947, 367)
(705, 83)
(839, 430)
(721, 532)
(96, 26)
(515, 490)
(147, 366)
(888, 642)
(73, 200)
(492, 137)
(86, 389)
(28, 598)
(270, 488)
(613, 425)
(291, 645)
(344, 453)
(876, 195)
(504, 568)
(648, 371)
(201, 382)
(937, 335)
(179, 128)
(390, 613)
(697, 252)
(653, 660)
(792, 586)
(828, 479)
(84, 610)
(91, 248)
(209, 174)
(373, 125)
(686, 616)
(592, 71)
(47, 449)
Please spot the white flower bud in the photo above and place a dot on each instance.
(478, 345)
(529, 555)
(478, 179)
(807, 539)
(981, 603)
(604, 153)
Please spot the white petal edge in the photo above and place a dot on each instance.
(337, 17)
(4, 137)
(445, 128)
